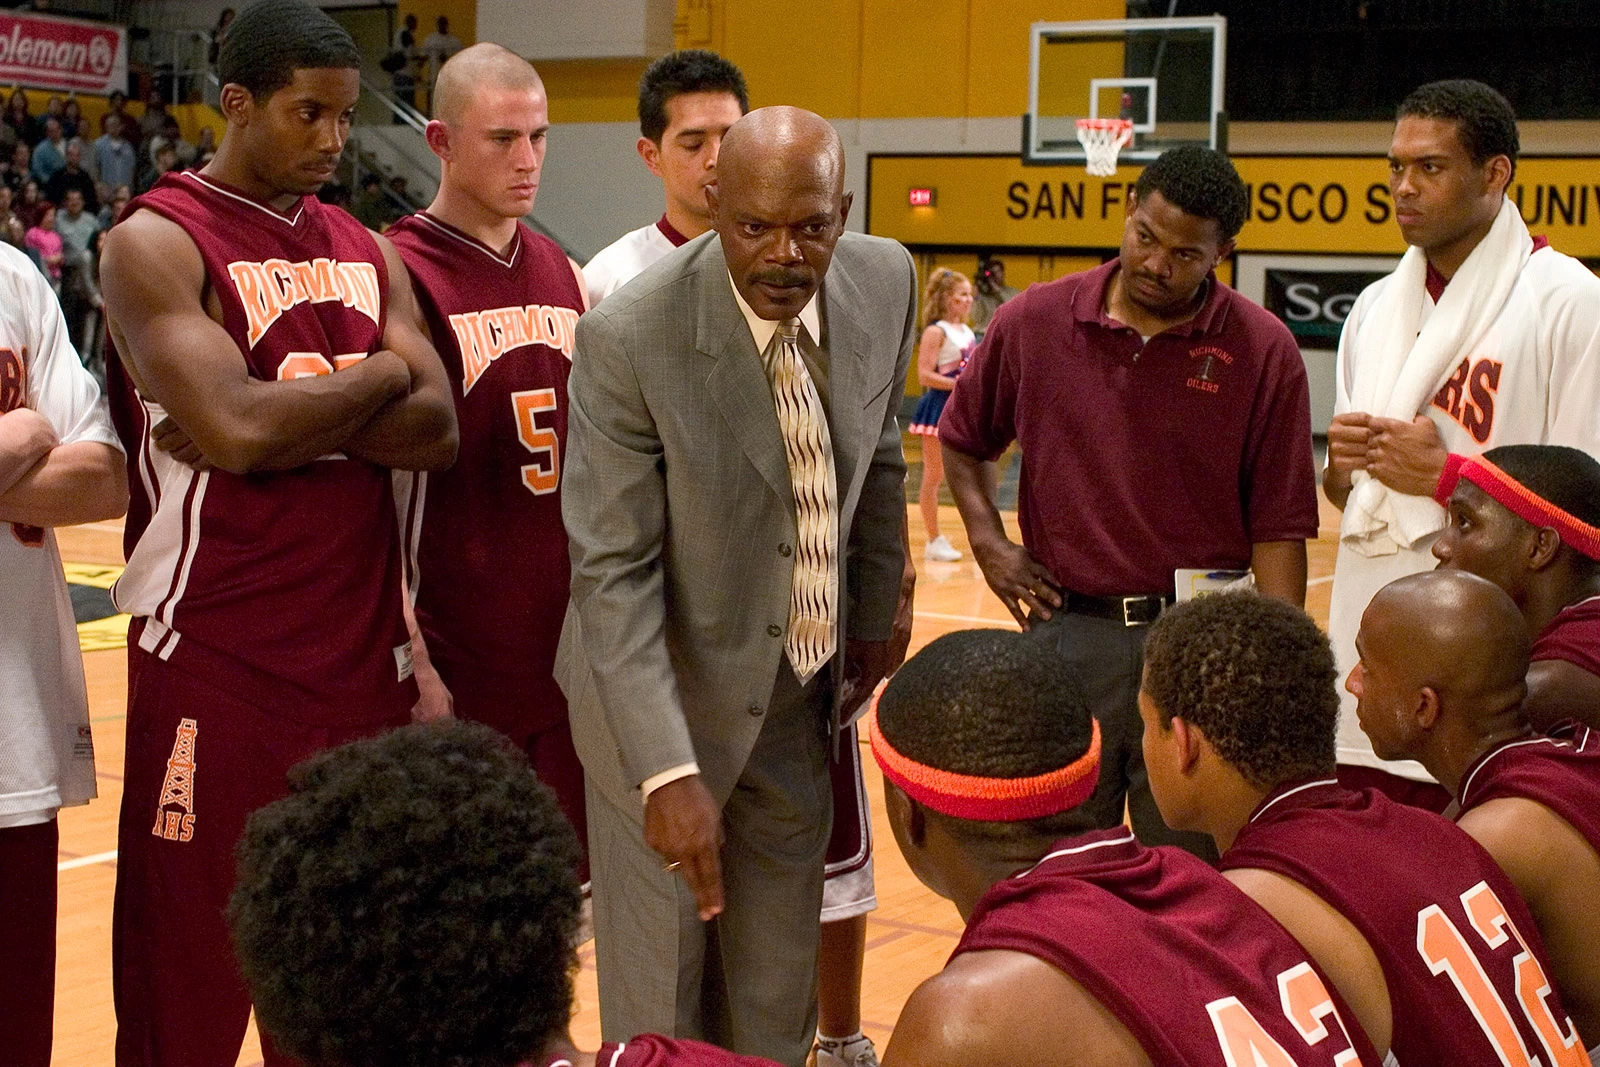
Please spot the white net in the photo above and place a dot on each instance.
(1102, 139)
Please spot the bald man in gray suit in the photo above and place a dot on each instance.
(734, 497)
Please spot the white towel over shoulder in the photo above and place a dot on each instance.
(1408, 364)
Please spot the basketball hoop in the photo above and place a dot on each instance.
(1101, 140)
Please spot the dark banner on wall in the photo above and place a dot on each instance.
(1315, 303)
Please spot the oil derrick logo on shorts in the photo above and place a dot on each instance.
(269, 289)
(485, 336)
(178, 788)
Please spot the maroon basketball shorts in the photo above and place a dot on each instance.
(200, 758)
(847, 888)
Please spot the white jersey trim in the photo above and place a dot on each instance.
(1123, 839)
(1292, 792)
(472, 242)
(300, 206)
(1484, 762)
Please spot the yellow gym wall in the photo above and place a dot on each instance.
(844, 59)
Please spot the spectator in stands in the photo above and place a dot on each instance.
(166, 159)
(74, 177)
(218, 31)
(45, 242)
(439, 46)
(206, 146)
(23, 124)
(171, 135)
(116, 161)
(29, 204)
(78, 135)
(116, 104)
(155, 117)
(404, 64)
(16, 236)
(14, 172)
(71, 114)
(371, 206)
(56, 108)
(77, 227)
(7, 217)
(50, 154)
(111, 211)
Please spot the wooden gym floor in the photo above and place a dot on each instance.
(908, 937)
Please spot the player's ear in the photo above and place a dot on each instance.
(236, 103)
(711, 204)
(1224, 250)
(1497, 173)
(438, 137)
(1543, 548)
(650, 152)
(1188, 743)
(1426, 712)
(844, 207)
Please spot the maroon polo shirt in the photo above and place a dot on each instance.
(1139, 458)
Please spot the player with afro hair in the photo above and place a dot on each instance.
(414, 902)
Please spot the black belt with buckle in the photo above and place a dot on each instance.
(1128, 610)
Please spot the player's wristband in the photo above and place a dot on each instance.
(966, 796)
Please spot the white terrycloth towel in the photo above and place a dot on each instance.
(1410, 363)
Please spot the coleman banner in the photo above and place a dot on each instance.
(45, 52)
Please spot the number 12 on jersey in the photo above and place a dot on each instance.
(544, 474)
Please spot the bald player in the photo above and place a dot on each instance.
(1440, 681)
(1428, 940)
(1527, 517)
(1082, 945)
(502, 303)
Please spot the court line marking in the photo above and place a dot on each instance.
(87, 861)
(1324, 580)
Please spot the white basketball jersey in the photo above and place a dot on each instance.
(46, 754)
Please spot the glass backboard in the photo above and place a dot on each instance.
(1166, 75)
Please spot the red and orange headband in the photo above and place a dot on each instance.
(1518, 499)
(966, 796)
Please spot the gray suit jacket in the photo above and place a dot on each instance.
(677, 501)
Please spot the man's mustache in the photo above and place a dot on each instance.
(781, 277)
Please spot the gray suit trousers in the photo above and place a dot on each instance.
(747, 980)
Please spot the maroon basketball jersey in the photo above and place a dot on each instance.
(1561, 771)
(653, 1050)
(1464, 962)
(284, 585)
(1196, 970)
(492, 574)
(1573, 635)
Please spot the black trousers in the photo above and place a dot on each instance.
(1108, 658)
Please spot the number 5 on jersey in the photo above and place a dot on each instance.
(544, 474)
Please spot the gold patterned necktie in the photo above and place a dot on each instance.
(814, 593)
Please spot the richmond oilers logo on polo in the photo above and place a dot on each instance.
(485, 336)
(270, 288)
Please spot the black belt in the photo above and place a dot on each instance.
(1128, 610)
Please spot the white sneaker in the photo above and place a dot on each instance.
(940, 550)
(855, 1052)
